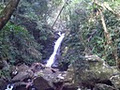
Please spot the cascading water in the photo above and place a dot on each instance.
(9, 87)
(56, 47)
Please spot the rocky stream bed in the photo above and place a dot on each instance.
(88, 73)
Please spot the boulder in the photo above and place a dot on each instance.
(115, 79)
(89, 71)
(103, 87)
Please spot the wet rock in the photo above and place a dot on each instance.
(23, 75)
(41, 84)
(36, 67)
(41, 77)
(115, 79)
(103, 87)
(22, 72)
(49, 78)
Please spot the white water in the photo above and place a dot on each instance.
(9, 87)
(56, 47)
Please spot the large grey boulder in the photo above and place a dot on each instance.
(89, 71)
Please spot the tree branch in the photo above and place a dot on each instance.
(106, 6)
(7, 12)
(107, 35)
(58, 15)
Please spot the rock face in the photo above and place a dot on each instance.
(103, 87)
(115, 79)
(92, 72)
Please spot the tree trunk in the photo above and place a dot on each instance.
(7, 12)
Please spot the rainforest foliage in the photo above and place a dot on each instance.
(91, 27)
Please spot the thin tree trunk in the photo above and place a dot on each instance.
(109, 41)
(7, 12)
(107, 34)
(58, 15)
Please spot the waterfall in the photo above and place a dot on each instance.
(56, 47)
(9, 87)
